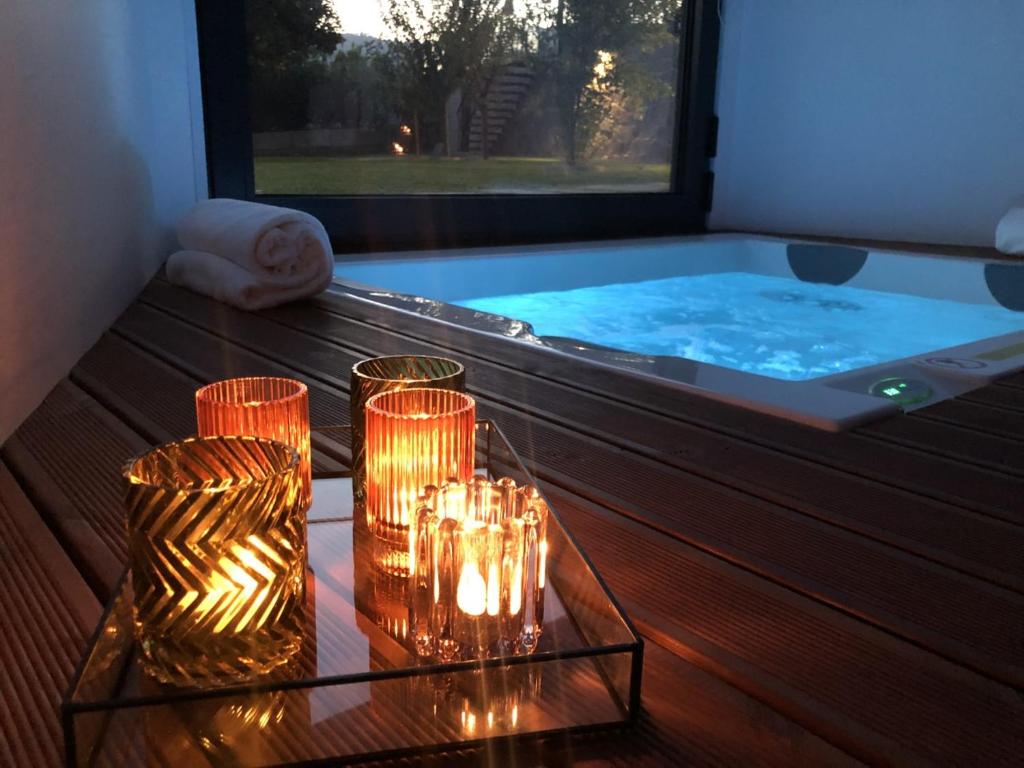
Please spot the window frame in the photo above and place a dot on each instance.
(401, 222)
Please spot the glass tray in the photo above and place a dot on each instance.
(357, 690)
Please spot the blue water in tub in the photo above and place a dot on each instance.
(765, 325)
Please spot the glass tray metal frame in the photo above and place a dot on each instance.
(586, 675)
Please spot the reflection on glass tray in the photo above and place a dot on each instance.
(358, 689)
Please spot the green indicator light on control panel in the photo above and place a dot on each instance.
(902, 391)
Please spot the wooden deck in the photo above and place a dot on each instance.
(806, 598)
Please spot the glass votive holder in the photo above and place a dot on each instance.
(477, 559)
(217, 547)
(414, 438)
(386, 374)
(274, 408)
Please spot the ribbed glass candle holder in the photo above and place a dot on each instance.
(277, 409)
(217, 544)
(477, 558)
(414, 438)
(387, 374)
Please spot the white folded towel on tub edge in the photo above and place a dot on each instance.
(251, 255)
(1010, 232)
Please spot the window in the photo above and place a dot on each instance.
(412, 123)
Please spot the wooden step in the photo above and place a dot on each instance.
(47, 614)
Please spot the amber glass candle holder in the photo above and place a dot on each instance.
(387, 374)
(414, 438)
(277, 409)
(477, 559)
(217, 544)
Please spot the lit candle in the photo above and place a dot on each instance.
(387, 374)
(477, 555)
(277, 409)
(228, 606)
(414, 438)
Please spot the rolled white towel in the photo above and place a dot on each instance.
(277, 245)
(251, 255)
(225, 281)
(1010, 232)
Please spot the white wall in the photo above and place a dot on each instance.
(100, 152)
(883, 119)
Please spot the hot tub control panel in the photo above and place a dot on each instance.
(902, 391)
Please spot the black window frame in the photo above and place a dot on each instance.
(401, 222)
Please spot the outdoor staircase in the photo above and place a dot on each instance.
(505, 93)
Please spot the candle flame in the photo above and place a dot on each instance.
(471, 594)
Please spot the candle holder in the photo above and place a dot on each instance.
(478, 560)
(387, 374)
(414, 438)
(359, 691)
(277, 409)
(217, 543)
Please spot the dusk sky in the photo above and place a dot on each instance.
(360, 17)
(364, 16)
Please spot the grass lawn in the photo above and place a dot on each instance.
(428, 175)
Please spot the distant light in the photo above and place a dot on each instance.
(397, 149)
(405, 130)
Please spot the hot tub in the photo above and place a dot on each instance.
(827, 335)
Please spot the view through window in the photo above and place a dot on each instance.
(400, 97)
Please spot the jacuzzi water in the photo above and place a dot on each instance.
(829, 336)
(756, 323)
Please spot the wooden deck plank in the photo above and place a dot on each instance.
(46, 614)
(927, 476)
(231, 361)
(74, 478)
(1009, 399)
(156, 398)
(982, 418)
(692, 718)
(969, 446)
(865, 691)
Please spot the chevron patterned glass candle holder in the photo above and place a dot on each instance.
(217, 544)
(386, 374)
(477, 558)
(277, 409)
(414, 438)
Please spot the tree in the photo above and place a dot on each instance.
(419, 74)
(359, 90)
(288, 41)
(456, 44)
(590, 36)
